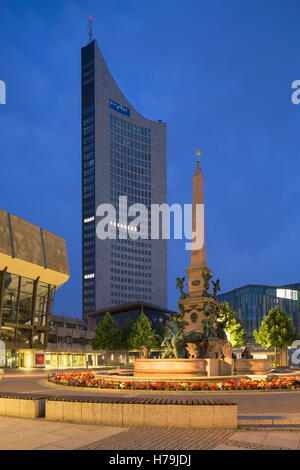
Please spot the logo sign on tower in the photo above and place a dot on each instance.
(119, 107)
(2, 92)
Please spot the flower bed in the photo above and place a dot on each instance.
(88, 379)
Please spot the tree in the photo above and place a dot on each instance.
(142, 333)
(232, 325)
(106, 334)
(159, 333)
(125, 334)
(276, 330)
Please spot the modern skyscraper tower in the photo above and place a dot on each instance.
(123, 154)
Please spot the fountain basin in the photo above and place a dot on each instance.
(252, 366)
(189, 368)
(181, 368)
(170, 368)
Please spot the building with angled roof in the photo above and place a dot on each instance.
(123, 154)
(33, 265)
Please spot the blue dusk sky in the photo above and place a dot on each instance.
(218, 72)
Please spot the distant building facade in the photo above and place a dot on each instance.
(69, 344)
(122, 313)
(253, 302)
(123, 154)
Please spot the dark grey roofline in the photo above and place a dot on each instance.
(127, 307)
(124, 97)
(66, 319)
(285, 286)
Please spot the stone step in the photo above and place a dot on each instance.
(269, 421)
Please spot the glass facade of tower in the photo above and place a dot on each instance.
(88, 178)
(252, 303)
(25, 307)
(123, 154)
(130, 175)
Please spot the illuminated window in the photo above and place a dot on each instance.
(287, 294)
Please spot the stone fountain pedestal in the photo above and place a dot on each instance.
(182, 368)
(252, 366)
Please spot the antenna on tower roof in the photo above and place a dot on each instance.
(91, 31)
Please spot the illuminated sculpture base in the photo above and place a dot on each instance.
(181, 368)
(252, 366)
(184, 368)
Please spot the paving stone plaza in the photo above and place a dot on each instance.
(23, 434)
(256, 413)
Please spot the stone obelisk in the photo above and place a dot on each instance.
(197, 303)
(198, 256)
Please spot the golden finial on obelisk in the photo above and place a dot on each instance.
(198, 153)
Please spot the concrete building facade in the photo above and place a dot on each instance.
(33, 265)
(69, 344)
